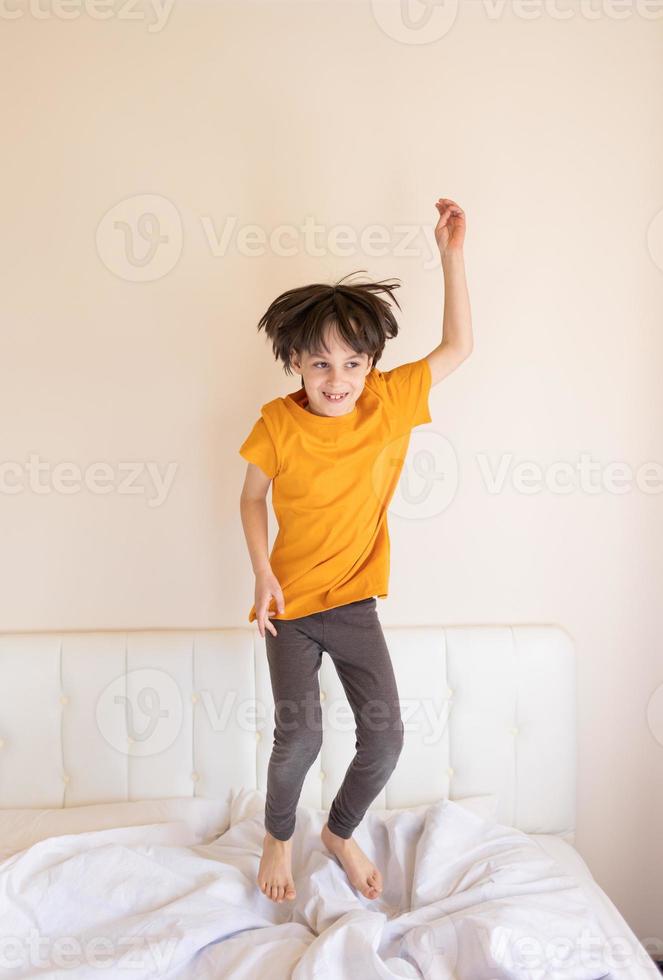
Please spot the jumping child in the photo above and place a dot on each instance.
(333, 452)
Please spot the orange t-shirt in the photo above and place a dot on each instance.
(332, 480)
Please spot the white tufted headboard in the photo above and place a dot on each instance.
(93, 717)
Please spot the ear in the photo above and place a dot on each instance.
(295, 362)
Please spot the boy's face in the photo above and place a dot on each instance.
(337, 371)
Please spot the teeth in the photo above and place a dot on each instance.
(335, 398)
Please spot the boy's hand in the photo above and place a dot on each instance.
(267, 587)
(450, 228)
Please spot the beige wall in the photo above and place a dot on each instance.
(548, 133)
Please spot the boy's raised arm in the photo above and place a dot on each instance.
(457, 341)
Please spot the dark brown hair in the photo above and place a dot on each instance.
(300, 317)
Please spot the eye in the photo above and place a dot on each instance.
(352, 363)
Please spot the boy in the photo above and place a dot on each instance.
(334, 451)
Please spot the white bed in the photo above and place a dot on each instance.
(132, 778)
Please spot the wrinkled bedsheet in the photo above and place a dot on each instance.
(464, 897)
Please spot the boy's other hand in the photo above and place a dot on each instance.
(267, 587)
(450, 227)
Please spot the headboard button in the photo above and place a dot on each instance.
(195, 777)
(66, 778)
(323, 695)
(194, 698)
(258, 736)
(514, 730)
(64, 699)
(450, 771)
(2, 743)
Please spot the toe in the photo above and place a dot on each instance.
(376, 880)
(374, 884)
(290, 892)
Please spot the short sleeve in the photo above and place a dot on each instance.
(407, 388)
(258, 448)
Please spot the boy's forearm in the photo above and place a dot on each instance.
(254, 522)
(457, 320)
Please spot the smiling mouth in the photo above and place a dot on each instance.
(334, 398)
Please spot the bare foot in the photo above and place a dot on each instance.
(361, 872)
(275, 872)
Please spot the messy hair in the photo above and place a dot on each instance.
(299, 318)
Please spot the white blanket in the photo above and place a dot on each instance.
(464, 897)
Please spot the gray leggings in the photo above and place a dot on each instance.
(353, 638)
